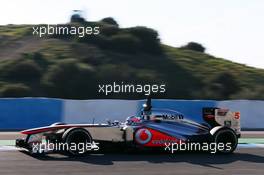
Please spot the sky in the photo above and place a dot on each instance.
(230, 29)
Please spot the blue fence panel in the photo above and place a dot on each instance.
(29, 112)
(21, 113)
(252, 112)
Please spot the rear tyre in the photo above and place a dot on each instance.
(79, 142)
(226, 141)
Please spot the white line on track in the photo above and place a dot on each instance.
(251, 145)
(8, 148)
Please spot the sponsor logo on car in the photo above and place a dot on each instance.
(143, 136)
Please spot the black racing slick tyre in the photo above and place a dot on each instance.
(78, 142)
(226, 141)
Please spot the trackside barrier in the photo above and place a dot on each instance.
(24, 113)
(252, 112)
(78, 111)
(21, 113)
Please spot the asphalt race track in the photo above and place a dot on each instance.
(245, 161)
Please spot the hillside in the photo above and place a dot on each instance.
(72, 67)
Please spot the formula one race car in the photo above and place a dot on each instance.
(152, 129)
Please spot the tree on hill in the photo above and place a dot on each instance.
(15, 90)
(23, 70)
(69, 79)
(149, 39)
(77, 16)
(224, 85)
(111, 21)
(194, 46)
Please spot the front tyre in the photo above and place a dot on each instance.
(78, 142)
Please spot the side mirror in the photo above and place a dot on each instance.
(147, 106)
(108, 121)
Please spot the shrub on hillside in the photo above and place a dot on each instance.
(15, 90)
(23, 70)
(108, 30)
(149, 39)
(194, 46)
(93, 56)
(110, 20)
(69, 79)
(256, 93)
(124, 43)
(224, 85)
(98, 40)
(109, 73)
(36, 57)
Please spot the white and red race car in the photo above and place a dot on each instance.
(153, 129)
